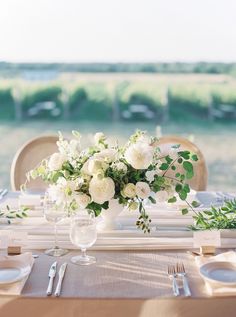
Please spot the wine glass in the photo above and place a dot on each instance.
(83, 234)
(54, 212)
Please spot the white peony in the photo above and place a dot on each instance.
(129, 190)
(82, 200)
(139, 155)
(162, 196)
(142, 190)
(101, 190)
(56, 161)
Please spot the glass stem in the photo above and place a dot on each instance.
(55, 236)
(83, 251)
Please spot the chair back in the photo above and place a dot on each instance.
(28, 157)
(200, 178)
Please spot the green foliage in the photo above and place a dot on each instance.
(98, 102)
(11, 214)
(216, 218)
(194, 98)
(42, 94)
(6, 104)
(145, 93)
(76, 99)
(224, 95)
(161, 67)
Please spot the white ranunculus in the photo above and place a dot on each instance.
(82, 200)
(120, 166)
(101, 190)
(98, 137)
(150, 175)
(139, 155)
(162, 196)
(108, 155)
(133, 206)
(142, 190)
(56, 161)
(129, 190)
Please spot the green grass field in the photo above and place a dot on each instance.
(216, 140)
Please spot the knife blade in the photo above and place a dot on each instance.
(61, 276)
(3, 193)
(51, 275)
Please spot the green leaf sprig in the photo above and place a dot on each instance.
(10, 214)
(216, 218)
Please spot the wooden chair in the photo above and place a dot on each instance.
(200, 178)
(28, 157)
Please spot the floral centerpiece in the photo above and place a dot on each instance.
(131, 174)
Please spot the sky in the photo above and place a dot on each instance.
(117, 30)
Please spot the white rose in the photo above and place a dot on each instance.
(101, 190)
(109, 155)
(162, 196)
(120, 166)
(142, 190)
(98, 137)
(82, 200)
(129, 190)
(56, 161)
(139, 155)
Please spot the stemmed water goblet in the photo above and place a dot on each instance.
(54, 212)
(83, 234)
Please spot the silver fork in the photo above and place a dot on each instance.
(180, 269)
(172, 275)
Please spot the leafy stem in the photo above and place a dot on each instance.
(171, 164)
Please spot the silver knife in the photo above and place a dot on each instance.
(61, 276)
(3, 193)
(51, 275)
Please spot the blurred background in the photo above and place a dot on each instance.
(168, 67)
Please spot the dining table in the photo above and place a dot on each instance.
(123, 282)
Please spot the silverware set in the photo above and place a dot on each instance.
(178, 271)
(51, 274)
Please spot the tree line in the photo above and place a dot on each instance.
(11, 69)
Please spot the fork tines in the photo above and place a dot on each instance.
(180, 267)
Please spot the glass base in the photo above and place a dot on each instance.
(83, 260)
(56, 251)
